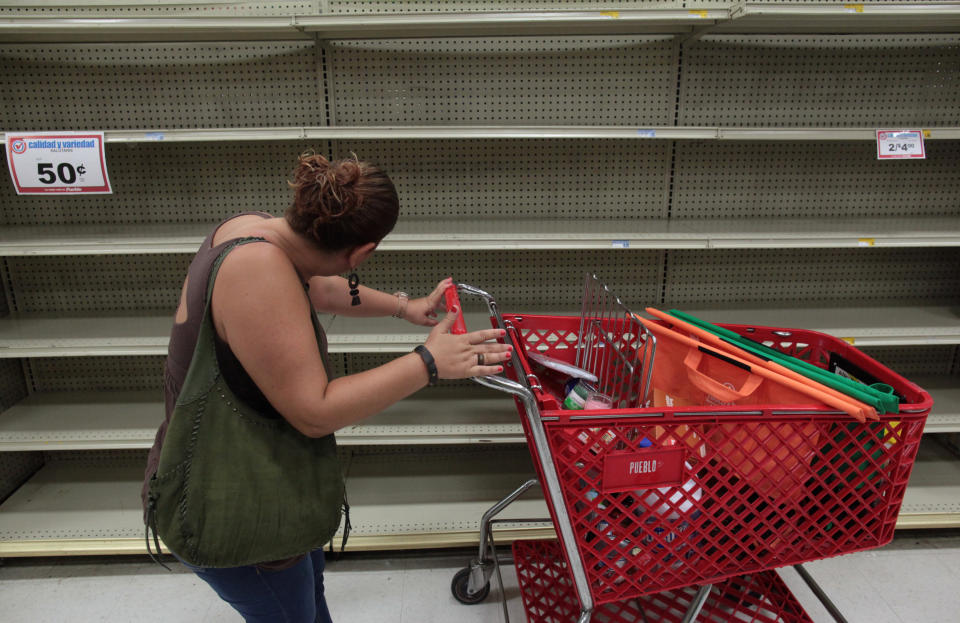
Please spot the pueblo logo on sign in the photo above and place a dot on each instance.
(656, 467)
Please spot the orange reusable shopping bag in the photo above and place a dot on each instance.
(774, 457)
(816, 390)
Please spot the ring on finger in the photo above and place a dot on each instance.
(479, 359)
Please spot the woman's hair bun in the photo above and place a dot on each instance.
(331, 180)
(341, 203)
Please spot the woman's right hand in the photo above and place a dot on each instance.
(455, 355)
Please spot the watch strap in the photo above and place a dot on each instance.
(429, 362)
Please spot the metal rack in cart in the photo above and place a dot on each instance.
(694, 504)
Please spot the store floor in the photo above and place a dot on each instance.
(915, 579)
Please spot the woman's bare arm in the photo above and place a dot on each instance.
(332, 295)
(260, 310)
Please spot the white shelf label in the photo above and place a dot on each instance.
(896, 144)
(57, 162)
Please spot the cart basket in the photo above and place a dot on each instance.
(549, 596)
(659, 498)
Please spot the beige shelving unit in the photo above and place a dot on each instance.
(714, 157)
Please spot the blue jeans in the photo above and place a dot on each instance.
(293, 595)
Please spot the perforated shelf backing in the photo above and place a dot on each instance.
(450, 6)
(161, 8)
(15, 468)
(916, 361)
(177, 183)
(13, 387)
(98, 458)
(519, 279)
(504, 81)
(65, 374)
(524, 280)
(579, 179)
(4, 285)
(104, 283)
(811, 180)
(171, 183)
(93, 8)
(447, 6)
(160, 85)
(821, 81)
(860, 277)
(69, 374)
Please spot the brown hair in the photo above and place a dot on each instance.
(341, 204)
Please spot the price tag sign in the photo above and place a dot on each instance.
(57, 162)
(900, 144)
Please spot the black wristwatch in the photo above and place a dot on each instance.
(429, 362)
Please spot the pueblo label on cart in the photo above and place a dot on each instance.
(653, 468)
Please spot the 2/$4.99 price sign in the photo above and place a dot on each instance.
(57, 162)
(900, 144)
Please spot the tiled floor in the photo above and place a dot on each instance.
(916, 579)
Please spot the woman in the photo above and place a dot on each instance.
(341, 212)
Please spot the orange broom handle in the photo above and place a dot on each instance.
(857, 411)
(838, 398)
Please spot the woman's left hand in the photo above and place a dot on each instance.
(423, 311)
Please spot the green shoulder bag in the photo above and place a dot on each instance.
(233, 487)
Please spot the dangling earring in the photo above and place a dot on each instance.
(354, 282)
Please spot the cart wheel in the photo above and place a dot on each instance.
(459, 588)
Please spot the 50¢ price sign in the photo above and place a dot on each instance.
(57, 162)
(900, 144)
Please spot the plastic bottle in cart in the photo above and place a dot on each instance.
(577, 393)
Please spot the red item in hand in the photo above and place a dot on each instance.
(453, 302)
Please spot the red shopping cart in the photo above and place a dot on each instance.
(548, 595)
(646, 499)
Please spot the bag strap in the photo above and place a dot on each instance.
(208, 311)
(346, 530)
(215, 268)
(151, 527)
(713, 387)
(204, 368)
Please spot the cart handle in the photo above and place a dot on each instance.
(551, 481)
(523, 390)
